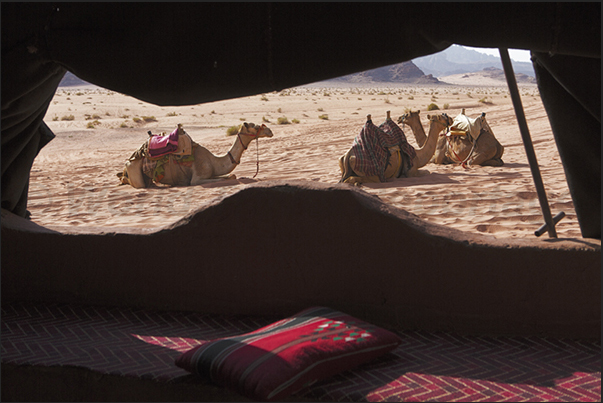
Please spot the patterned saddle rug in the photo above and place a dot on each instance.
(371, 148)
(177, 142)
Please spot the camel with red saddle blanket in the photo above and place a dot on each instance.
(176, 160)
(469, 141)
(395, 163)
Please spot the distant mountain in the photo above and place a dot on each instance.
(406, 72)
(71, 80)
(458, 60)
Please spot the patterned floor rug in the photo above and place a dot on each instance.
(426, 367)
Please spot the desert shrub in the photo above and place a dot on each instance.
(68, 117)
(149, 119)
(90, 125)
(279, 110)
(320, 110)
(136, 120)
(123, 125)
(324, 117)
(172, 114)
(387, 101)
(294, 121)
(283, 121)
(55, 118)
(411, 97)
(432, 107)
(485, 101)
(242, 119)
(264, 119)
(232, 130)
(264, 98)
(446, 106)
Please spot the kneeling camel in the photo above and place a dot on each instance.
(203, 167)
(350, 173)
(460, 147)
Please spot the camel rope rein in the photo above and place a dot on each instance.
(257, 149)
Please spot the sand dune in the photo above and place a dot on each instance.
(74, 186)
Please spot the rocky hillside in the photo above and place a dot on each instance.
(498, 74)
(71, 80)
(406, 72)
(458, 60)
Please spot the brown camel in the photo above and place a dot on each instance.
(412, 120)
(461, 146)
(200, 167)
(352, 175)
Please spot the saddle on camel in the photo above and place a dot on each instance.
(374, 147)
(383, 153)
(159, 150)
(470, 141)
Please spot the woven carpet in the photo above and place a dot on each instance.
(426, 367)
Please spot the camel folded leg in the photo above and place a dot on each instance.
(357, 178)
(135, 175)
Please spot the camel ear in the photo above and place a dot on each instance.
(246, 125)
(418, 111)
(428, 116)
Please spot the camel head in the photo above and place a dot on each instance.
(251, 129)
(404, 119)
(442, 119)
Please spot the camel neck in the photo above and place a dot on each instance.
(239, 147)
(425, 153)
(417, 131)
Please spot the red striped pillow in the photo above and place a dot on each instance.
(279, 359)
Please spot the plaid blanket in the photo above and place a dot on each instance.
(371, 144)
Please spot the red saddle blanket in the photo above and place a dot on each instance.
(163, 145)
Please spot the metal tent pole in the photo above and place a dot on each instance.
(527, 143)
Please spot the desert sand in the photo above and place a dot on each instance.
(74, 187)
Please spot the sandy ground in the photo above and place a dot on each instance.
(74, 184)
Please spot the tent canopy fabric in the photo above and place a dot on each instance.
(190, 53)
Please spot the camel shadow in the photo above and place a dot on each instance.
(424, 179)
(229, 182)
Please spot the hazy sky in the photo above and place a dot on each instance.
(515, 54)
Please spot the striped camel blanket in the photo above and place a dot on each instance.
(371, 144)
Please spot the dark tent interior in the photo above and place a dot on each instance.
(191, 53)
